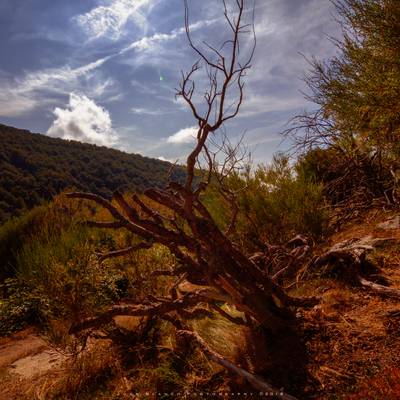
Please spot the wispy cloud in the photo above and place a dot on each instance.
(148, 42)
(284, 34)
(159, 50)
(22, 94)
(148, 111)
(83, 120)
(110, 20)
(127, 55)
(183, 136)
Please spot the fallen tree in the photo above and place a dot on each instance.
(176, 217)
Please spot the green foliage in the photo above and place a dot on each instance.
(36, 225)
(14, 233)
(35, 167)
(56, 274)
(140, 264)
(58, 277)
(276, 201)
(349, 180)
(23, 306)
(358, 89)
(356, 123)
(215, 203)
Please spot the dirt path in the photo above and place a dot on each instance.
(26, 359)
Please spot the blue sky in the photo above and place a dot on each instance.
(105, 71)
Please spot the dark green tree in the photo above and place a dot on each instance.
(356, 93)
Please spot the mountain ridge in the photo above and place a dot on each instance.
(35, 167)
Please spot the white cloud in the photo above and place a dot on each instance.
(110, 20)
(148, 111)
(171, 160)
(83, 120)
(284, 33)
(148, 42)
(100, 87)
(20, 95)
(186, 135)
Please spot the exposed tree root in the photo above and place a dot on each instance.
(283, 262)
(177, 218)
(348, 260)
(380, 289)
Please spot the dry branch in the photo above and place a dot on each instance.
(228, 70)
(380, 289)
(255, 381)
(151, 307)
(123, 252)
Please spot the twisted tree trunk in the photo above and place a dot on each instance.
(206, 255)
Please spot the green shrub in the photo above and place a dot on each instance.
(24, 305)
(275, 203)
(59, 278)
(14, 233)
(36, 225)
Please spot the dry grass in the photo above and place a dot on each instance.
(84, 375)
(350, 346)
(223, 336)
(383, 386)
(365, 224)
(128, 323)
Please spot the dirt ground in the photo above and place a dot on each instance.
(353, 336)
(27, 361)
(351, 340)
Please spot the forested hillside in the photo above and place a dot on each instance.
(35, 167)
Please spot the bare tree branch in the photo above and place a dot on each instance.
(255, 381)
(123, 252)
(231, 69)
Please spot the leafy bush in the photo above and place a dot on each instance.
(37, 225)
(277, 203)
(58, 278)
(350, 177)
(16, 232)
(23, 306)
(355, 95)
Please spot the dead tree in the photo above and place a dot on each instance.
(205, 254)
